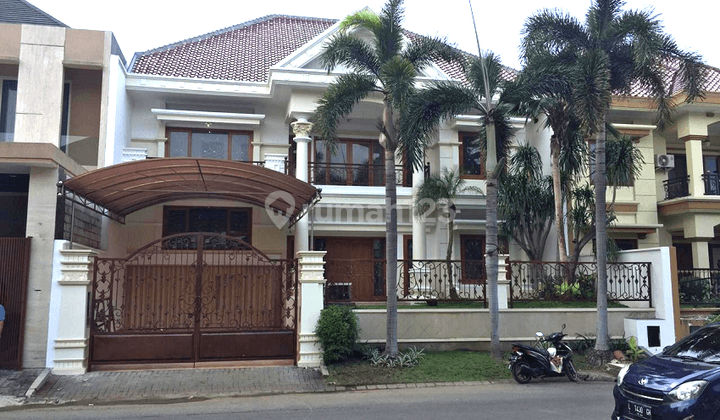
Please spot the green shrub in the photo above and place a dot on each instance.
(694, 290)
(338, 332)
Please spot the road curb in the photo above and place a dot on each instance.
(37, 383)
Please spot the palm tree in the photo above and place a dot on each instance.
(611, 52)
(526, 199)
(549, 93)
(384, 67)
(441, 101)
(441, 189)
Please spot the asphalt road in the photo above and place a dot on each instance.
(537, 401)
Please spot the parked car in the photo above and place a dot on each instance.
(682, 382)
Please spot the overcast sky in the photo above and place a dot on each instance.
(141, 25)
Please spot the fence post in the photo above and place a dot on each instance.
(71, 344)
(503, 281)
(311, 276)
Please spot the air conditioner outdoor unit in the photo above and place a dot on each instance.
(664, 162)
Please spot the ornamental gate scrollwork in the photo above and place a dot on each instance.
(192, 298)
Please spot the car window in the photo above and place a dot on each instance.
(704, 344)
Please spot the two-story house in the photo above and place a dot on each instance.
(194, 177)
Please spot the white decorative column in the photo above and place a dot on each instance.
(503, 282)
(311, 275)
(71, 344)
(418, 226)
(695, 164)
(301, 129)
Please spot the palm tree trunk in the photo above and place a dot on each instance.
(557, 192)
(391, 343)
(491, 262)
(448, 260)
(601, 344)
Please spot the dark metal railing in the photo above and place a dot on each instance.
(699, 287)
(353, 174)
(417, 280)
(677, 187)
(554, 281)
(712, 183)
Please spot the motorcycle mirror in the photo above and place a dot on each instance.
(563, 327)
(539, 334)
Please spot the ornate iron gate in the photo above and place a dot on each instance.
(193, 298)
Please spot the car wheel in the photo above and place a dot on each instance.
(570, 371)
(521, 372)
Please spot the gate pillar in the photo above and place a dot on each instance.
(311, 276)
(71, 344)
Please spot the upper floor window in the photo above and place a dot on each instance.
(470, 156)
(214, 144)
(8, 100)
(235, 222)
(350, 162)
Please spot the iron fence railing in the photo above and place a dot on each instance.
(676, 187)
(554, 281)
(699, 287)
(352, 280)
(712, 183)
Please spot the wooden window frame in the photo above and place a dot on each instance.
(349, 159)
(463, 174)
(190, 131)
(228, 210)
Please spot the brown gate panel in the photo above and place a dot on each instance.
(142, 348)
(191, 298)
(247, 345)
(14, 268)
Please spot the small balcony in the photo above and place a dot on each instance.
(350, 174)
(677, 187)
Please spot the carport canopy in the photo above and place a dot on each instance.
(128, 187)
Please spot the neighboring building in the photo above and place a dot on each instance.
(172, 146)
(55, 101)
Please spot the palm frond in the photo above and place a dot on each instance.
(624, 161)
(350, 51)
(492, 64)
(423, 50)
(338, 100)
(398, 78)
(424, 111)
(389, 36)
(361, 19)
(551, 32)
(592, 88)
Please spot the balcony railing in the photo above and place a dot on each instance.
(712, 183)
(699, 287)
(353, 174)
(677, 187)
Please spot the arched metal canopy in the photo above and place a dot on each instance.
(128, 187)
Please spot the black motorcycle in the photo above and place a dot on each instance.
(550, 357)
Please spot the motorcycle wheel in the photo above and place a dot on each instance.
(521, 372)
(570, 371)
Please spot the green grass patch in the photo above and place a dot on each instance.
(443, 366)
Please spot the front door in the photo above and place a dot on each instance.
(191, 298)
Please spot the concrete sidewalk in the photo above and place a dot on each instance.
(99, 387)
